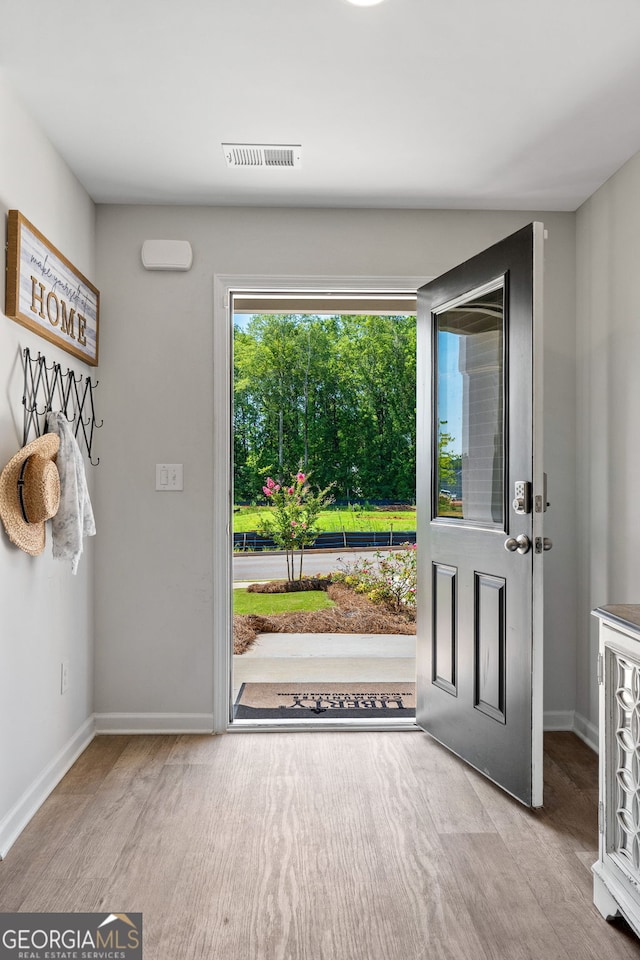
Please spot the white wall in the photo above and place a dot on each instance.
(608, 348)
(154, 603)
(46, 614)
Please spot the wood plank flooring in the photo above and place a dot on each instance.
(320, 846)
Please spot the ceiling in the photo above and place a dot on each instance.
(502, 104)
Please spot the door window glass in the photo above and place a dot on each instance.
(469, 408)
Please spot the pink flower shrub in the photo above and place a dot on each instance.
(293, 513)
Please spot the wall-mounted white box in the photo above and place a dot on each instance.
(167, 255)
(169, 476)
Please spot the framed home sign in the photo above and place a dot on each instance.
(46, 293)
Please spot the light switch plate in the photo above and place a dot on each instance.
(169, 476)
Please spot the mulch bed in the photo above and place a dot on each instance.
(290, 586)
(354, 613)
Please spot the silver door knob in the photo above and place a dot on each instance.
(521, 543)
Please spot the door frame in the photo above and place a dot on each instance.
(539, 483)
(224, 285)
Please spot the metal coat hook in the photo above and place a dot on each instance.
(48, 389)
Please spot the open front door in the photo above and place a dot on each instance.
(481, 501)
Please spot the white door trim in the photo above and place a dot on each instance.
(537, 665)
(223, 286)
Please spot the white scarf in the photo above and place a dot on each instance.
(74, 519)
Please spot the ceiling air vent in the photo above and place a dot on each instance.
(262, 155)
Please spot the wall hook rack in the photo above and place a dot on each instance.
(49, 388)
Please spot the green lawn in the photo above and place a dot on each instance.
(267, 604)
(246, 519)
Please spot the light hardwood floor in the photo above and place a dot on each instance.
(320, 846)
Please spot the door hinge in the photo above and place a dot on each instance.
(600, 816)
(600, 668)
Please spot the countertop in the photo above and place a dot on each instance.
(626, 614)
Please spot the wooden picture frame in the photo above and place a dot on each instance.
(47, 294)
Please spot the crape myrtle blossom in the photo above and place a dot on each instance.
(294, 509)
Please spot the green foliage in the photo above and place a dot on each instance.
(389, 578)
(292, 519)
(268, 604)
(335, 519)
(334, 394)
(449, 467)
(448, 463)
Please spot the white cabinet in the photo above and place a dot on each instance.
(616, 875)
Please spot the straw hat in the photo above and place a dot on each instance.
(30, 493)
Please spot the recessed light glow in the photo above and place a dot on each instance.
(364, 3)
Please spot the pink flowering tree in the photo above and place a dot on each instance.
(292, 519)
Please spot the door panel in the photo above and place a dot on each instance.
(490, 647)
(478, 653)
(444, 627)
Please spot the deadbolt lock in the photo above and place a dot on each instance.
(522, 497)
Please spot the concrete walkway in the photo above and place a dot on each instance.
(300, 657)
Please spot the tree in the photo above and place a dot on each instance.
(447, 461)
(295, 509)
(335, 394)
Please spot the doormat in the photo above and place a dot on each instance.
(329, 701)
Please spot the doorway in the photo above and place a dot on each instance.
(242, 302)
(515, 266)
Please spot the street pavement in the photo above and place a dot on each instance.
(271, 566)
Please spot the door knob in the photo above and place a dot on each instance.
(521, 543)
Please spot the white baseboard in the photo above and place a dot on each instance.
(12, 825)
(559, 719)
(575, 722)
(151, 723)
(587, 731)
(154, 722)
